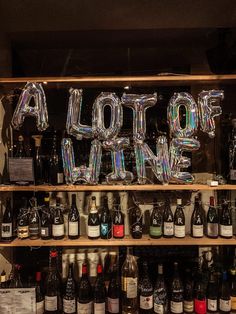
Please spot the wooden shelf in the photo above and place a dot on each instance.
(101, 187)
(84, 241)
(122, 81)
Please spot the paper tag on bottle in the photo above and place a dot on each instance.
(99, 308)
(84, 308)
(212, 229)
(233, 174)
(179, 231)
(69, 306)
(113, 305)
(118, 231)
(233, 303)
(50, 303)
(73, 228)
(197, 230)
(44, 231)
(146, 303)
(155, 231)
(158, 308)
(225, 305)
(200, 306)
(22, 232)
(168, 228)
(176, 307)
(130, 286)
(94, 231)
(211, 305)
(6, 230)
(188, 306)
(60, 177)
(40, 307)
(58, 230)
(226, 231)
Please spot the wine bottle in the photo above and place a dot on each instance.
(232, 153)
(58, 230)
(20, 148)
(38, 163)
(52, 294)
(73, 220)
(105, 220)
(155, 231)
(188, 292)
(160, 293)
(212, 295)
(93, 221)
(233, 289)
(226, 228)
(129, 284)
(224, 295)
(197, 220)
(15, 278)
(39, 295)
(34, 221)
(145, 292)
(23, 221)
(69, 299)
(56, 175)
(179, 220)
(99, 292)
(113, 295)
(177, 296)
(136, 222)
(200, 299)
(118, 222)
(3, 280)
(85, 294)
(46, 221)
(7, 223)
(168, 221)
(212, 220)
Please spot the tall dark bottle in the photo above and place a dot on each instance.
(34, 221)
(58, 230)
(160, 299)
(233, 289)
(226, 227)
(85, 293)
(73, 220)
(136, 222)
(105, 221)
(55, 165)
(224, 295)
(212, 220)
(46, 220)
(212, 295)
(188, 292)
(155, 230)
(177, 293)
(99, 293)
(7, 222)
(38, 162)
(197, 220)
(39, 295)
(93, 221)
(168, 221)
(200, 299)
(232, 154)
(179, 220)
(20, 148)
(113, 294)
(69, 298)
(145, 292)
(23, 220)
(118, 222)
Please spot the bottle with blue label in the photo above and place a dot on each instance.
(105, 219)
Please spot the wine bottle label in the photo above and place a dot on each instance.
(232, 174)
(34, 229)
(58, 230)
(212, 229)
(99, 308)
(233, 303)
(200, 306)
(130, 286)
(22, 232)
(45, 231)
(6, 230)
(225, 305)
(155, 231)
(179, 231)
(118, 231)
(146, 303)
(176, 307)
(159, 308)
(50, 303)
(94, 231)
(168, 228)
(104, 229)
(60, 177)
(211, 305)
(113, 305)
(188, 306)
(84, 308)
(73, 228)
(69, 306)
(40, 307)
(197, 230)
(226, 231)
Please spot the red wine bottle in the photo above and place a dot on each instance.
(168, 221)
(118, 222)
(179, 220)
(212, 295)
(145, 292)
(7, 223)
(177, 293)
(85, 294)
(23, 220)
(46, 220)
(39, 295)
(3, 280)
(106, 221)
(226, 227)
(113, 295)
(136, 222)
(73, 220)
(155, 230)
(56, 175)
(58, 230)
(188, 292)
(197, 220)
(99, 293)
(160, 293)
(93, 221)
(34, 221)
(69, 299)
(200, 299)
(212, 220)
(38, 162)
(224, 295)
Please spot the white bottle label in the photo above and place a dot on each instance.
(73, 228)
(50, 303)
(100, 308)
(40, 307)
(146, 303)
(60, 177)
(232, 174)
(176, 307)
(158, 308)
(211, 305)
(113, 305)
(179, 231)
(168, 228)
(188, 306)
(130, 286)
(45, 231)
(58, 230)
(225, 305)
(94, 231)
(197, 231)
(69, 306)
(226, 231)
(84, 308)
(6, 230)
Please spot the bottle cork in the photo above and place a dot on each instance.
(38, 139)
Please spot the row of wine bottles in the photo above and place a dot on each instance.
(48, 222)
(131, 290)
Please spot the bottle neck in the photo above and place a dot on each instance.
(93, 207)
(38, 276)
(70, 273)
(212, 202)
(84, 270)
(160, 269)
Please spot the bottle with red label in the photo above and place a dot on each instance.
(200, 299)
(118, 222)
(99, 293)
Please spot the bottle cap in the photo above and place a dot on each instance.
(179, 201)
(20, 138)
(84, 268)
(53, 254)
(99, 269)
(37, 139)
(160, 269)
